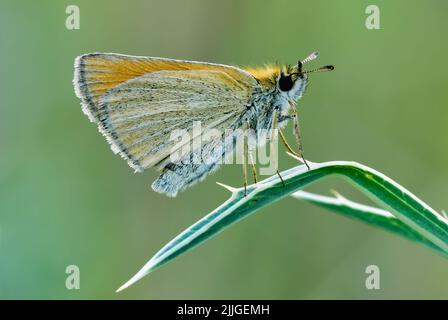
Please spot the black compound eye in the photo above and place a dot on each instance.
(285, 82)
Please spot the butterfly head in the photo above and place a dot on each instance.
(292, 79)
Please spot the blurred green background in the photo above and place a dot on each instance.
(66, 199)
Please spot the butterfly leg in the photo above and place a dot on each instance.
(254, 168)
(282, 136)
(274, 155)
(245, 156)
(286, 144)
(297, 133)
(288, 147)
(252, 142)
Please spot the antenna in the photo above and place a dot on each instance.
(321, 69)
(310, 57)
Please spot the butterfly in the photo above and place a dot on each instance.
(138, 102)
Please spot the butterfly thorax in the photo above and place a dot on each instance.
(269, 98)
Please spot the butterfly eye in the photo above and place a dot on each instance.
(285, 83)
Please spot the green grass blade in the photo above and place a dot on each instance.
(406, 207)
(368, 214)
